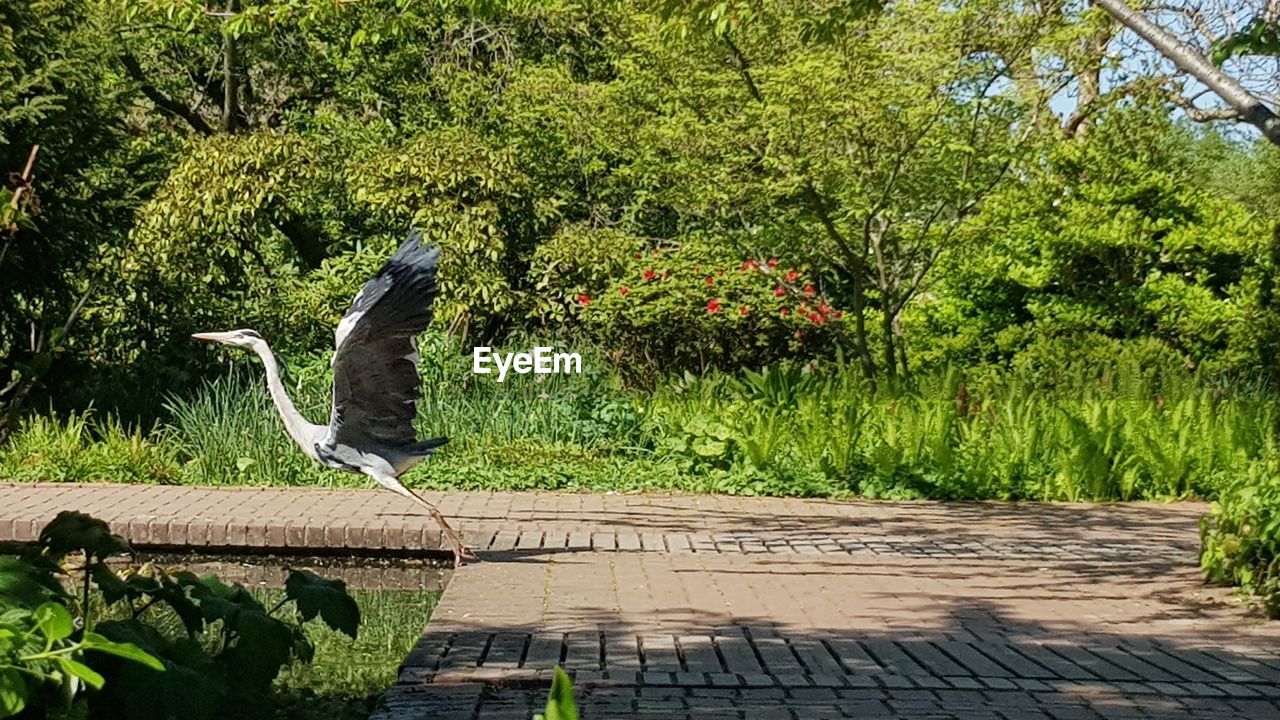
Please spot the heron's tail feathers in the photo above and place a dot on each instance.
(426, 447)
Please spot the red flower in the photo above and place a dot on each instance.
(784, 312)
(837, 315)
(779, 291)
(824, 308)
(791, 276)
(808, 290)
(749, 265)
(624, 290)
(816, 318)
(584, 299)
(772, 263)
(649, 274)
(711, 280)
(744, 310)
(713, 306)
(798, 335)
(637, 256)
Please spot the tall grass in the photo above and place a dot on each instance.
(1114, 437)
(549, 427)
(232, 435)
(84, 447)
(1119, 433)
(590, 410)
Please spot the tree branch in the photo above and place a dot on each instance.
(1202, 115)
(744, 68)
(1085, 111)
(162, 101)
(1246, 106)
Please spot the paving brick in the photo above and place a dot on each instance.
(699, 653)
(857, 609)
(582, 651)
(739, 657)
(975, 662)
(544, 650)
(893, 658)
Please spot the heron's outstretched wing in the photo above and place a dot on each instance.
(375, 364)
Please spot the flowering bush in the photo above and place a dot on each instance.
(697, 306)
(575, 263)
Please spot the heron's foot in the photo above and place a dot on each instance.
(461, 553)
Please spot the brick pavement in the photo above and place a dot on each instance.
(714, 607)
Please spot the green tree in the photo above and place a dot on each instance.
(857, 141)
(1111, 239)
(56, 92)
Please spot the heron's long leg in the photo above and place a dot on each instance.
(461, 552)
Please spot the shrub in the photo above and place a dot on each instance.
(151, 642)
(1240, 538)
(579, 260)
(698, 306)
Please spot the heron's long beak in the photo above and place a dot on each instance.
(218, 337)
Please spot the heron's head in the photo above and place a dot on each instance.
(240, 338)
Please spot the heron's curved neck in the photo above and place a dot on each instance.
(294, 423)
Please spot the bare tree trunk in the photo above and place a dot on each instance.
(902, 347)
(1244, 105)
(861, 342)
(1090, 79)
(886, 329)
(230, 76)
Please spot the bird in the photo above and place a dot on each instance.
(375, 380)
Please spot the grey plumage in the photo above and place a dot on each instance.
(375, 370)
(375, 379)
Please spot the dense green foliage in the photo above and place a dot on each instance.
(545, 145)
(146, 642)
(956, 294)
(1242, 534)
(1099, 432)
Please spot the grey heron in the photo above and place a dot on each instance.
(375, 380)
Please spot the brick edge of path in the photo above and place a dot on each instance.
(304, 520)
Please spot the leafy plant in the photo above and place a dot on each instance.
(560, 702)
(45, 656)
(152, 642)
(1240, 538)
(41, 658)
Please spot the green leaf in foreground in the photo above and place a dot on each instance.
(128, 651)
(54, 621)
(560, 703)
(82, 671)
(71, 531)
(13, 693)
(315, 595)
